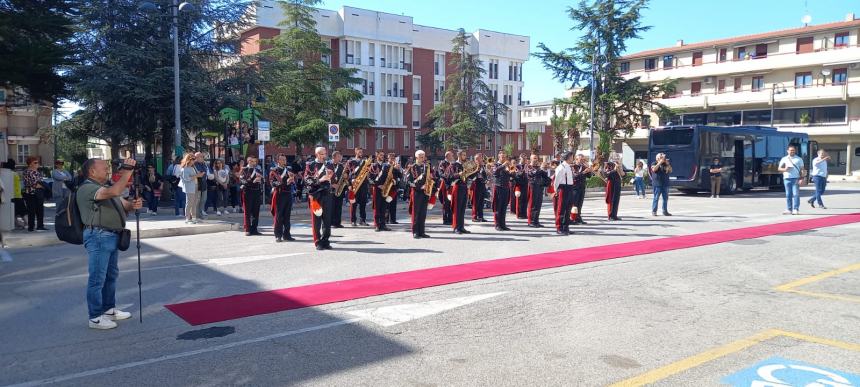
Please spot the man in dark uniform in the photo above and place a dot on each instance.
(444, 188)
(458, 193)
(479, 189)
(337, 201)
(252, 184)
(416, 177)
(355, 166)
(564, 189)
(378, 175)
(522, 182)
(501, 191)
(317, 176)
(612, 172)
(538, 179)
(283, 182)
(398, 177)
(581, 172)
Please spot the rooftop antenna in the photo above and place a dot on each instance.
(807, 18)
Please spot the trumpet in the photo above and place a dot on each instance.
(512, 166)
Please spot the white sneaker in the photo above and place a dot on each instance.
(102, 322)
(116, 314)
(713, 196)
(219, 213)
(795, 212)
(203, 213)
(226, 211)
(718, 196)
(786, 212)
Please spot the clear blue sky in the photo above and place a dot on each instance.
(546, 21)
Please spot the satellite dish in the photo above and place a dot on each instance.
(806, 19)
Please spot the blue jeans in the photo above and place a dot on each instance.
(659, 191)
(151, 200)
(639, 186)
(820, 186)
(178, 201)
(201, 205)
(103, 269)
(792, 194)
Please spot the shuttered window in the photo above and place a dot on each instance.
(804, 45)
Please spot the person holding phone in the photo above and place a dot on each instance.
(819, 178)
(716, 171)
(792, 170)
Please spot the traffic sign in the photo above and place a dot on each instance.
(263, 126)
(333, 132)
(263, 135)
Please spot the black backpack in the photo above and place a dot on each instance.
(67, 221)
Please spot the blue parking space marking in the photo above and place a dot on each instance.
(780, 372)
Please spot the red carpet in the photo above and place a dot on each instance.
(252, 304)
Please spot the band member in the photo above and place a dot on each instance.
(378, 175)
(417, 177)
(361, 194)
(502, 179)
(444, 188)
(398, 177)
(522, 183)
(458, 193)
(252, 195)
(478, 189)
(538, 179)
(283, 183)
(318, 175)
(340, 172)
(551, 189)
(564, 190)
(612, 173)
(581, 172)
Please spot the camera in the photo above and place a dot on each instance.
(120, 164)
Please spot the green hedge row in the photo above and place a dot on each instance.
(596, 182)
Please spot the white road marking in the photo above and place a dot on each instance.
(212, 262)
(398, 314)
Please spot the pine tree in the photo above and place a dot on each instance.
(619, 103)
(303, 93)
(462, 117)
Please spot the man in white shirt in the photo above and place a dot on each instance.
(819, 177)
(563, 185)
(792, 170)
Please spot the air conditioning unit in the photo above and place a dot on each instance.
(709, 80)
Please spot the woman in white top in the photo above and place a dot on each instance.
(222, 182)
(639, 179)
(188, 182)
(819, 178)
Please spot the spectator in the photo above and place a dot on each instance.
(639, 179)
(20, 206)
(62, 178)
(819, 178)
(99, 205)
(222, 187)
(188, 182)
(174, 177)
(234, 186)
(34, 195)
(660, 181)
(202, 182)
(793, 171)
(152, 184)
(234, 145)
(716, 171)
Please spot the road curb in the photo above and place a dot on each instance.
(50, 238)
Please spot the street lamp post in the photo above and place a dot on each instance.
(591, 114)
(775, 89)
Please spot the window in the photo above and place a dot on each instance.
(379, 137)
(695, 88)
(417, 134)
(742, 53)
(829, 114)
(362, 139)
(23, 153)
(650, 64)
(668, 61)
(416, 116)
(391, 139)
(840, 76)
(760, 51)
(841, 40)
(625, 67)
(406, 139)
(757, 83)
(738, 85)
(804, 45)
(645, 121)
(803, 80)
(697, 58)
(350, 143)
(721, 86)
(722, 55)
(757, 117)
(371, 51)
(672, 137)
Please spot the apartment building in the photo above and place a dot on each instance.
(803, 79)
(403, 66)
(24, 129)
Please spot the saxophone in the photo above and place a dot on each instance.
(361, 177)
(428, 182)
(389, 182)
(469, 168)
(341, 184)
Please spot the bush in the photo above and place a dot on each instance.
(595, 182)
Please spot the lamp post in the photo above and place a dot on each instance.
(775, 89)
(175, 8)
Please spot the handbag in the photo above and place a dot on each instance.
(123, 240)
(801, 181)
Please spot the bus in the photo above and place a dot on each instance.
(749, 154)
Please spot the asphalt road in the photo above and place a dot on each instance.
(656, 315)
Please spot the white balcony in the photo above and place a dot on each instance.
(747, 97)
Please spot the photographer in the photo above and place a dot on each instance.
(819, 177)
(103, 214)
(660, 180)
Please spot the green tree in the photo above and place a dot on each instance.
(462, 117)
(619, 103)
(303, 94)
(533, 136)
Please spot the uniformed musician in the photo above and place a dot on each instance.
(340, 172)
(252, 195)
(361, 194)
(378, 175)
(502, 179)
(538, 179)
(317, 176)
(612, 172)
(283, 181)
(581, 172)
(521, 182)
(478, 189)
(458, 193)
(444, 188)
(398, 177)
(417, 177)
(563, 185)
